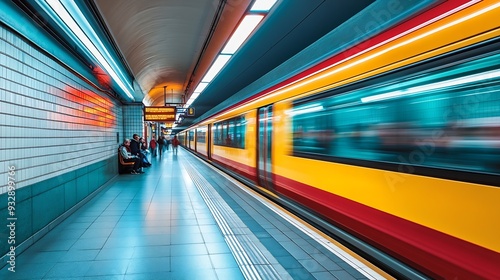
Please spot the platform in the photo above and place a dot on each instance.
(183, 219)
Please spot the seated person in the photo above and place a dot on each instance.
(135, 149)
(128, 157)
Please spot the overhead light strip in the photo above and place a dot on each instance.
(240, 35)
(219, 63)
(64, 17)
(243, 31)
(263, 5)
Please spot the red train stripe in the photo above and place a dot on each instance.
(430, 251)
(242, 169)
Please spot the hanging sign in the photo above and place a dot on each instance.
(190, 112)
(159, 113)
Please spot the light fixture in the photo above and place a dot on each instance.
(73, 22)
(262, 5)
(219, 63)
(246, 27)
(201, 86)
(240, 35)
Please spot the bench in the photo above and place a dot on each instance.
(124, 166)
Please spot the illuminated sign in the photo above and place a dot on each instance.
(160, 117)
(159, 113)
(159, 110)
(190, 112)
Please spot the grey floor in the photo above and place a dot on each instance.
(179, 220)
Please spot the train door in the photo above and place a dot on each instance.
(265, 129)
(209, 142)
(195, 139)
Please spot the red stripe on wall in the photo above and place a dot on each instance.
(432, 252)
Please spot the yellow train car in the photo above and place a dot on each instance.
(233, 143)
(202, 140)
(190, 139)
(182, 138)
(396, 140)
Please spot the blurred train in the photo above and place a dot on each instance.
(396, 140)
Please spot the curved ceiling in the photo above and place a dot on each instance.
(169, 45)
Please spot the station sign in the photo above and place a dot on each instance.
(159, 113)
(190, 112)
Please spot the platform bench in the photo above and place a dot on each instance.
(123, 166)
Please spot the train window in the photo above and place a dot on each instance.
(239, 133)
(420, 119)
(201, 135)
(181, 138)
(217, 133)
(230, 133)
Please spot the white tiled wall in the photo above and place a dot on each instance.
(132, 120)
(51, 121)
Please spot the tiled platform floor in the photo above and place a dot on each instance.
(181, 220)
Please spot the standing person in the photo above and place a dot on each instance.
(160, 145)
(175, 144)
(167, 143)
(152, 146)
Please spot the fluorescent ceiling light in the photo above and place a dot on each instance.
(195, 95)
(439, 85)
(191, 100)
(221, 60)
(263, 5)
(63, 14)
(246, 27)
(201, 86)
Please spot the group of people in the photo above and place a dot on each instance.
(135, 150)
(158, 146)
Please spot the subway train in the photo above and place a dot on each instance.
(395, 141)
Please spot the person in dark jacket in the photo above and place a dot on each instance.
(135, 145)
(135, 149)
(161, 143)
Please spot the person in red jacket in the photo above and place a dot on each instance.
(152, 146)
(175, 144)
